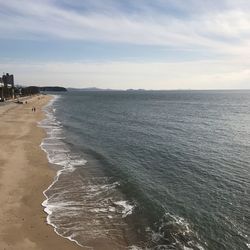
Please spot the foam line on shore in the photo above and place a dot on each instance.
(45, 202)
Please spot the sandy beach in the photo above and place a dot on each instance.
(24, 175)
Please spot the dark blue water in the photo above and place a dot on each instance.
(172, 169)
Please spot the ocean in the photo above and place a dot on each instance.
(150, 169)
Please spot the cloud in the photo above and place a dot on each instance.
(122, 75)
(219, 27)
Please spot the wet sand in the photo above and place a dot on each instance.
(24, 175)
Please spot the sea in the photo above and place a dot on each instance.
(150, 169)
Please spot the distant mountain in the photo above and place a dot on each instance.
(99, 89)
(89, 89)
(136, 90)
(53, 89)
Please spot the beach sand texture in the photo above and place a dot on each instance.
(24, 175)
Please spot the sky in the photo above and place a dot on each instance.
(121, 44)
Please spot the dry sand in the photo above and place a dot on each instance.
(24, 174)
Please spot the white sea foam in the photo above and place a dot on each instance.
(57, 153)
(134, 248)
(111, 209)
(178, 228)
(127, 208)
(98, 210)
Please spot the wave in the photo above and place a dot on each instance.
(84, 205)
(80, 206)
(174, 232)
(58, 154)
(141, 175)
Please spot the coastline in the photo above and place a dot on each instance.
(65, 163)
(24, 174)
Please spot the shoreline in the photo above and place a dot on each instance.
(57, 173)
(25, 174)
(49, 124)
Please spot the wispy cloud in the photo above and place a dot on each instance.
(222, 27)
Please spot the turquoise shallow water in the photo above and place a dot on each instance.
(162, 170)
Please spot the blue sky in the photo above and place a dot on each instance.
(160, 44)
